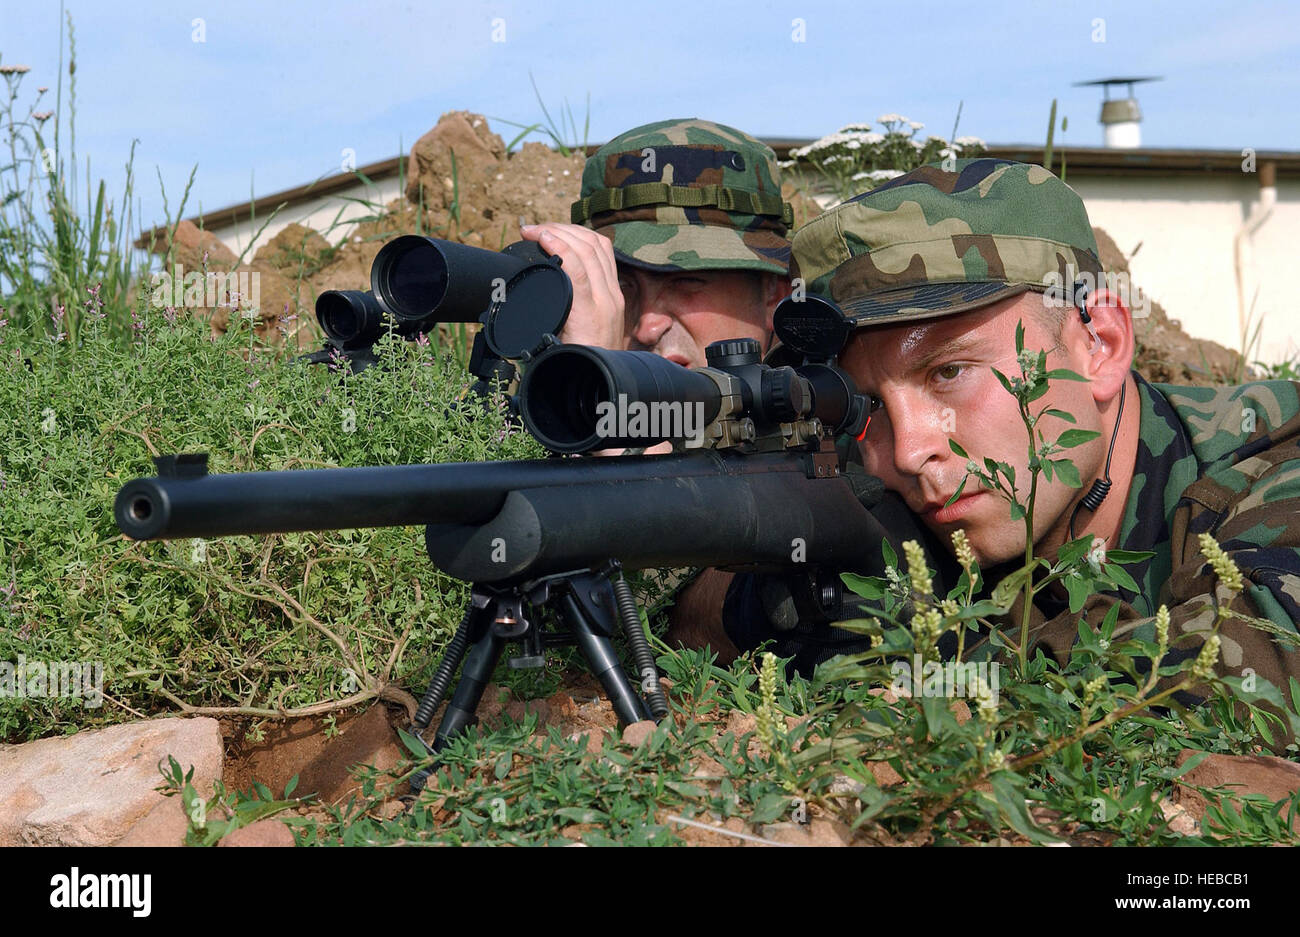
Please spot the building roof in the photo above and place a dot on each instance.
(1081, 161)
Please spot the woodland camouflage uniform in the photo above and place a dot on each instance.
(1221, 460)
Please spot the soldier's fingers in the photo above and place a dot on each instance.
(580, 249)
(590, 244)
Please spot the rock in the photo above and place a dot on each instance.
(884, 773)
(740, 724)
(269, 832)
(91, 788)
(817, 832)
(518, 710)
(165, 825)
(842, 785)
(1179, 818)
(638, 732)
(1266, 775)
(369, 740)
(595, 739)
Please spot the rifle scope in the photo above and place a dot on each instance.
(575, 398)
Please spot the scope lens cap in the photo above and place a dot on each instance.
(538, 300)
(528, 251)
(812, 326)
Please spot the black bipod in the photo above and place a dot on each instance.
(590, 603)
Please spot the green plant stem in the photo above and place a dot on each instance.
(1035, 468)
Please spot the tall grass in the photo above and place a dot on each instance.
(58, 263)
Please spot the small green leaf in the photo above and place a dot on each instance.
(869, 587)
(887, 552)
(770, 808)
(1002, 379)
(952, 444)
(957, 494)
(1067, 472)
(413, 744)
(1065, 374)
(1006, 591)
(505, 761)
(1012, 802)
(1110, 621)
(1128, 556)
(1059, 414)
(1120, 576)
(1075, 437)
(1079, 589)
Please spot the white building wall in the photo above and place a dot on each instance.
(1185, 227)
(333, 216)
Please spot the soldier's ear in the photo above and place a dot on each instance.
(1110, 342)
(774, 288)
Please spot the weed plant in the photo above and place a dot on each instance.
(263, 626)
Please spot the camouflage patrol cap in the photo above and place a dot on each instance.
(938, 241)
(687, 195)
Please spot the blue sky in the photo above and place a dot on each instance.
(275, 92)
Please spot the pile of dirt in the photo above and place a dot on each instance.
(462, 186)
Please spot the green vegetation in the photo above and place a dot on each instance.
(251, 625)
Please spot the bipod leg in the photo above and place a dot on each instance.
(605, 665)
(478, 643)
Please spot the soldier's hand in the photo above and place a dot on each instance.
(597, 316)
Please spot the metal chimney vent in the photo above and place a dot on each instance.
(1120, 117)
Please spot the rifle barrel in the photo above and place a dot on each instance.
(161, 507)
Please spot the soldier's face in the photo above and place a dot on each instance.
(935, 380)
(676, 315)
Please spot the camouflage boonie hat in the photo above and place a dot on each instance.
(934, 242)
(687, 195)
